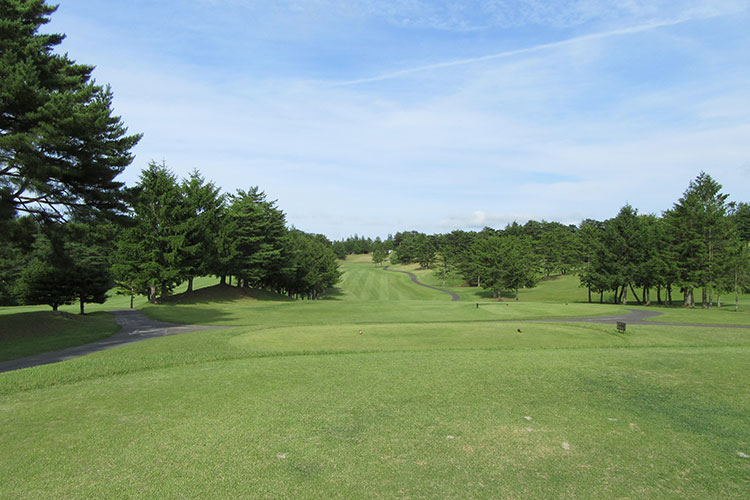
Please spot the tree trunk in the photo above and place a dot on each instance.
(516, 294)
(736, 289)
(637, 299)
(601, 297)
(152, 294)
(80, 299)
(704, 304)
(190, 284)
(617, 295)
(54, 307)
(589, 294)
(669, 294)
(132, 298)
(223, 280)
(658, 294)
(710, 297)
(624, 300)
(718, 299)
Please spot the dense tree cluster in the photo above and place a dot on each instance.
(181, 230)
(702, 242)
(177, 230)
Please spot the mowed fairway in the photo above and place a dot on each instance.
(433, 400)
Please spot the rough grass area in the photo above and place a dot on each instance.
(29, 333)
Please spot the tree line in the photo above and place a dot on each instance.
(70, 230)
(701, 243)
(175, 231)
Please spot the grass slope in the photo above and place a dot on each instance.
(434, 400)
(28, 333)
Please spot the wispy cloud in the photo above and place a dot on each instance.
(560, 130)
(529, 50)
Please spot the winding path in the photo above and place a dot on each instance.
(134, 327)
(454, 296)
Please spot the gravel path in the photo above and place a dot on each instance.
(134, 327)
(454, 296)
(634, 317)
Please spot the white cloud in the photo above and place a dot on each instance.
(537, 133)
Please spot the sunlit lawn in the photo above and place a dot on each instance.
(433, 399)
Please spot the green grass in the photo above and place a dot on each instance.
(430, 401)
(28, 333)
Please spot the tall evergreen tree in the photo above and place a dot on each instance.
(155, 239)
(255, 228)
(698, 232)
(49, 274)
(200, 224)
(60, 145)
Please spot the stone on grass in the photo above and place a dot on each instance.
(528, 418)
(281, 455)
(742, 455)
(565, 445)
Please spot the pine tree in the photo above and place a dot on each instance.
(60, 146)
(203, 205)
(255, 229)
(698, 232)
(155, 239)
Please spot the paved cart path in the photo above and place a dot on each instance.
(134, 327)
(634, 317)
(454, 296)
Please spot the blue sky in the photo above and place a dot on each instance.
(373, 116)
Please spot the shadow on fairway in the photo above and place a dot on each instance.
(222, 294)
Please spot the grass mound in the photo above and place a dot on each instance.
(222, 293)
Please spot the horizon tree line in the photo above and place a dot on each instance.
(702, 242)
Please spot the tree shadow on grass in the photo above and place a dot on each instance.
(184, 316)
(335, 293)
(222, 294)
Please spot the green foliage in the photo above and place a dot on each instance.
(60, 146)
(155, 240)
(15, 248)
(48, 275)
(89, 245)
(378, 252)
(203, 205)
(311, 267)
(506, 263)
(255, 228)
(697, 230)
